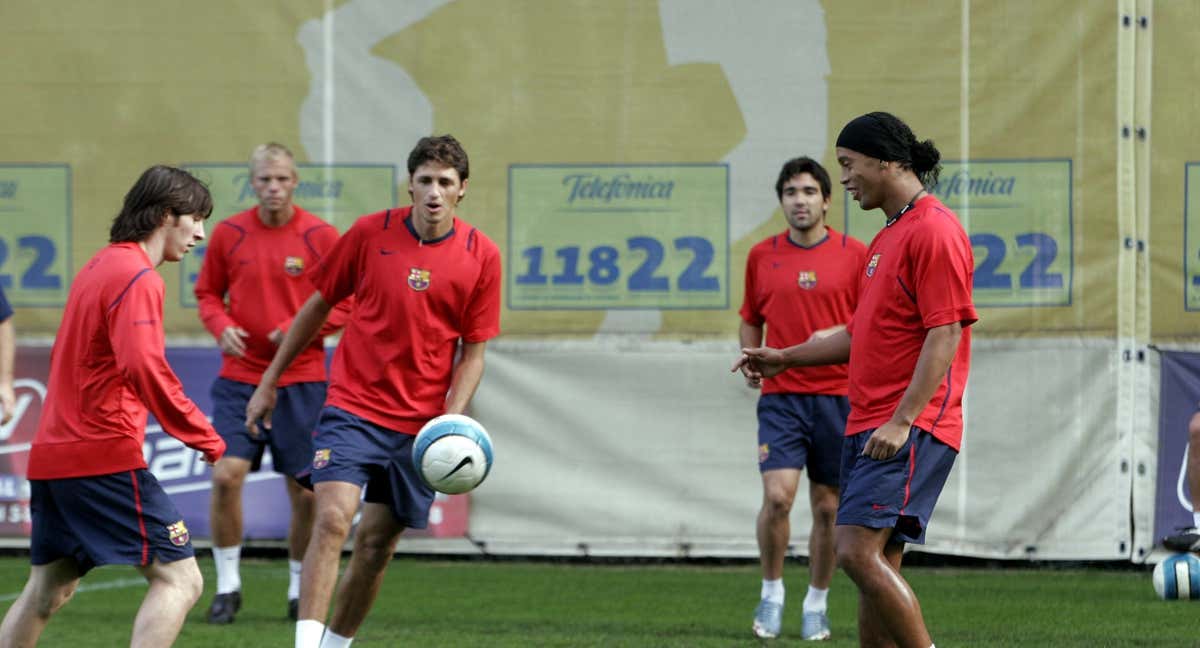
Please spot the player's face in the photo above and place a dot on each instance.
(274, 182)
(182, 234)
(862, 177)
(802, 202)
(435, 191)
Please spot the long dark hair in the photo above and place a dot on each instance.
(161, 190)
(922, 156)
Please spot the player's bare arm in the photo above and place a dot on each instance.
(305, 325)
(749, 337)
(767, 362)
(467, 374)
(826, 332)
(941, 343)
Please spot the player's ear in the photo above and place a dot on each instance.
(462, 191)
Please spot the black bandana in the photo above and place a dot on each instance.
(867, 135)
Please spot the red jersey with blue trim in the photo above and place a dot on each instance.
(918, 276)
(414, 301)
(107, 368)
(257, 277)
(796, 290)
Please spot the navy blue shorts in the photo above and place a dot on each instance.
(802, 431)
(297, 408)
(897, 493)
(120, 519)
(349, 448)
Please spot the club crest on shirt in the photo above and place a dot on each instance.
(418, 279)
(807, 279)
(321, 458)
(178, 533)
(764, 451)
(293, 265)
(872, 264)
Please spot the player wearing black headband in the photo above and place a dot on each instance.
(908, 346)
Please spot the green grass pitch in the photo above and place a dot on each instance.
(513, 603)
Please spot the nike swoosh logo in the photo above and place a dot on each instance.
(876, 507)
(387, 252)
(467, 461)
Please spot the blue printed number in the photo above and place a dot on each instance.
(693, 277)
(644, 278)
(603, 267)
(37, 275)
(985, 274)
(533, 274)
(570, 274)
(1035, 275)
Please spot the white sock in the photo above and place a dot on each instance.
(816, 600)
(308, 633)
(294, 579)
(228, 559)
(772, 590)
(1196, 519)
(335, 640)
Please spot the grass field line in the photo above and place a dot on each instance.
(120, 583)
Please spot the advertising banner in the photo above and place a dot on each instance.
(35, 233)
(1178, 398)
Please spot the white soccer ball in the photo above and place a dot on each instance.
(1178, 577)
(453, 453)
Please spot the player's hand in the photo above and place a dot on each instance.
(275, 337)
(8, 403)
(233, 341)
(886, 440)
(759, 363)
(261, 404)
(753, 382)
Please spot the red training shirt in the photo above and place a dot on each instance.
(796, 290)
(918, 276)
(265, 272)
(414, 301)
(108, 365)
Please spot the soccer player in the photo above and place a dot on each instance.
(93, 500)
(799, 283)
(909, 346)
(8, 351)
(426, 287)
(1188, 538)
(254, 278)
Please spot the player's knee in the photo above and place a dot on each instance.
(227, 482)
(375, 554)
(185, 578)
(851, 558)
(332, 523)
(51, 601)
(778, 502)
(825, 511)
